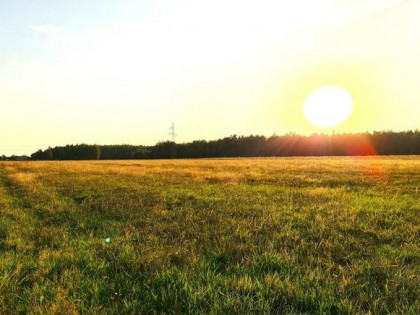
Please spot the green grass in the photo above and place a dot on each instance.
(281, 235)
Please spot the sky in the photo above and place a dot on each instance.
(113, 72)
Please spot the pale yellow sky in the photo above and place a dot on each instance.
(121, 73)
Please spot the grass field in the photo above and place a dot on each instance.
(280, 235)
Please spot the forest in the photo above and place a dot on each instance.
(376, 143)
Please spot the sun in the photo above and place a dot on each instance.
(328, 106)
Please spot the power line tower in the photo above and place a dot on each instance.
(172, 133)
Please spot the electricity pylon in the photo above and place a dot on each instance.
(172, 133)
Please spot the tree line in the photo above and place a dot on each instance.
(69, 152)
(376, 143)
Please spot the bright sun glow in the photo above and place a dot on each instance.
(328, 106)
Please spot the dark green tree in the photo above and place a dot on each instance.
(49, 154)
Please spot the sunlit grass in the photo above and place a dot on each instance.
(279, 235)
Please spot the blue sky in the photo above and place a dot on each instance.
(112, 72)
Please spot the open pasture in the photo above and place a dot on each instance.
(263, 235)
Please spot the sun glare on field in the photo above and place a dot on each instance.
(328, 106)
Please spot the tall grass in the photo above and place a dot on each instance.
(279, 235)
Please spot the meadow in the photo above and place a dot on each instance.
(262, 235)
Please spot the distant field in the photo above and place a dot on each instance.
(278, 235)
